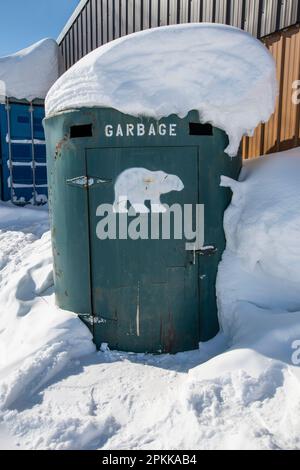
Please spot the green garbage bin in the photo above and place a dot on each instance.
(125, 196)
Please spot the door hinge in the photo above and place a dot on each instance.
(91, 319)
(86, 181)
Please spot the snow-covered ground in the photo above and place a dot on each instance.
(57, 392)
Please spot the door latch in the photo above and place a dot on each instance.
(206, 251)
(209, 250)
(87, 181)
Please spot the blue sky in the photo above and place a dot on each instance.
(23, 22)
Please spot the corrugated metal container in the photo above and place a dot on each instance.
(23, 152)
(96, 22)
(282, 131)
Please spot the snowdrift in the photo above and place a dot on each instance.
(29, 73)
(262, 228)
(37, 340)
(221, 71)
(255, 384)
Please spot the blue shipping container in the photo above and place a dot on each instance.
(23, 153)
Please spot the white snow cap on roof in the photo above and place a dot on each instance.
(221, 71)
(29, 73)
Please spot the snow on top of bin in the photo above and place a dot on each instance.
(29, 73)
(221, 71)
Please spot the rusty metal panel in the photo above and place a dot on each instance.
(282, 131)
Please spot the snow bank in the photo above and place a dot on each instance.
(37, 339)
(219, 70)
(255, 385)
(258, 279)
(263, 223)
(237, 410)
(29, 73)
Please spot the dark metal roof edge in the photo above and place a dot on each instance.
(71, 20)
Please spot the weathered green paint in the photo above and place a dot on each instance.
(144, 295)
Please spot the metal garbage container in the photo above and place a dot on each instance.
(136, 213)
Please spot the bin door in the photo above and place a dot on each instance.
(145, 289)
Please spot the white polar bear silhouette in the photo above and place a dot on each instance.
(138, 185)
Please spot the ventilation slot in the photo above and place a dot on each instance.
(85, 130)
(200, 129)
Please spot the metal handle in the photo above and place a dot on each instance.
(204, 251)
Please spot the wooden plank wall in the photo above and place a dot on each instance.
(282, 131)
